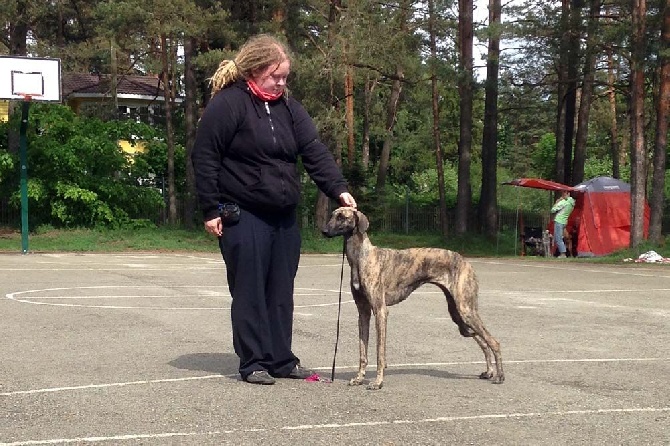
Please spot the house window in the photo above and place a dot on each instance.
(148, 114)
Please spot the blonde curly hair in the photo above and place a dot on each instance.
(258, 53)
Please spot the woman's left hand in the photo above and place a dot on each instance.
(347, 200)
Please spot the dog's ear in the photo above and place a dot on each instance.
(363, 222)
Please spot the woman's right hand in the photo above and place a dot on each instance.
(214, 226)
(347, 200)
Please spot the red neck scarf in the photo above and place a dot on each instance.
(256, 90)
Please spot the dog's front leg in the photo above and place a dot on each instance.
(364, 312)
(380, 324)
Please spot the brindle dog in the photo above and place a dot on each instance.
(383, 277)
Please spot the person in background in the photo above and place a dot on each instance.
(563, 208)
(245, 157)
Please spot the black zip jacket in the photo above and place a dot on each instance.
(246, 151)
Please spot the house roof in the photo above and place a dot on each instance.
(97, 85)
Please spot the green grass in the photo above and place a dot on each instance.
(115, 240)
(175, 240)
(148, 239)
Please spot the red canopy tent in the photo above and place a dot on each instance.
(537, 183)
(601, 217)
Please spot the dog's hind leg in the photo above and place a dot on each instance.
(463, 329)
(364, 313)
(486, 342)
(470, 326)
(463, 310)
(488, 374)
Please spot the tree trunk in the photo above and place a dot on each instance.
(365, 155)
(321, 212)
(18, 46)
(436, 120)
(465, 41)
(638, 165)
(321, 206)
(392, 108)
(615, 147)
(573, 38)
(191, 119)
(279, 17)
(488, 203)
(166, 79)
(587, 94)
(561, 93)
(18, 30)
(559, 175)
(656, 201)
(349, 113)
(391, 112)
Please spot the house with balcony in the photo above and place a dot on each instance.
(137, 97)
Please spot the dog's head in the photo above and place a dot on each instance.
(344, 221)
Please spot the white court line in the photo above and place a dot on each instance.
(300, 292)
(331, 426)
(124, 296)
(350, 367)
(39, 300)
(156, 296)
(169, 267)
(579, 267)
(189, 268)
(544, 291)
(161, 267)
(653, 311)
(122, 307)
(108, 385)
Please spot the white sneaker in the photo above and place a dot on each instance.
(562, 256)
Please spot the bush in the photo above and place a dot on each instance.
(77, 174)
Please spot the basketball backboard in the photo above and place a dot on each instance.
(36, 77)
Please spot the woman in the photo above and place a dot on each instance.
(563, 208)
(245, 156)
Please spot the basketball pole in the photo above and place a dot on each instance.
(23, 154)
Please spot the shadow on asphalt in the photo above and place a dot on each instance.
(429, 372)
(371, 373)
(224, 363)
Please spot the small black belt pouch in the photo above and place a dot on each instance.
(229, 213)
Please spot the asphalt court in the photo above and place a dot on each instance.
(137, 349)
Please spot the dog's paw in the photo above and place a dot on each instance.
(499, 379)
(356, 381)
(374, 385)
(486, 375)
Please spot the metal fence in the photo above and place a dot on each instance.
(401, 219)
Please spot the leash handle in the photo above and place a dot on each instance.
(339, 310)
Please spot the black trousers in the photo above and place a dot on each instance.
(261, 253)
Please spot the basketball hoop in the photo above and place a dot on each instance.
(27, 97)
(28, 78)
(31, 79)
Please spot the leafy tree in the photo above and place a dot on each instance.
(465, 88)
(380, 90)
(638, 155)
(77, 175)
(543, 156)
(661, 138)
(425, 188)
(488, 204)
